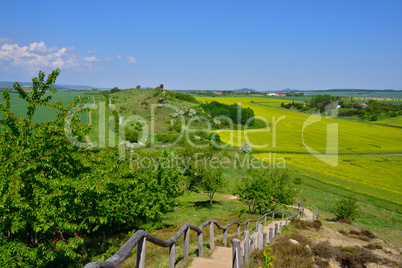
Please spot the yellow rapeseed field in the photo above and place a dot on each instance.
(370, 155)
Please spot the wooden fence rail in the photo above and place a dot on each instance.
(140, 238)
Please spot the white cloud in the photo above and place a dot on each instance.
(39, 56)
(91, 59)
(130, 59)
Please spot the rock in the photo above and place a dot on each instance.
(294, 242)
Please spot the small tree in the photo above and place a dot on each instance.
(347, 208)
(131, 135)
(115, 89)
(264, 190)
(246, 148)
(138, 87)
(211, 182)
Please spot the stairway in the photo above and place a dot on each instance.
(222, 256)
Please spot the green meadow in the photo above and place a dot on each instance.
(18, 106)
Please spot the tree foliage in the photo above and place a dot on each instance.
(53, 193)
(347, 208)
(235, 112)
(203, 173)
(131, 135)
(265, 190)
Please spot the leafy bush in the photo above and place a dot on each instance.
(347, 208)
(264, 190)
(55, 194)
(216, 109)
(184, 97)
(131, 135)
(166, 138)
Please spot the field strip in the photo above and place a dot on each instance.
(90, 121)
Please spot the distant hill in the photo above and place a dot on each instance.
(244, 90)
(8, 84)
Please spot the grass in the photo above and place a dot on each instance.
(392, 121)
(18, 106)
(378, 176)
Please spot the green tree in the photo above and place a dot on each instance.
(114, 90)
(138, 87)
(265, 190)
(131, 135)
(53, 193)
(347, 208)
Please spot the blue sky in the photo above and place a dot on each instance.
(211, 45)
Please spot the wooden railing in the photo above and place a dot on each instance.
(140, 238)
(241, 250)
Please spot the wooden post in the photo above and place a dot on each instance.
(247, 225)
(259, 236)
(256, 225)
(271, 237)
(141, 252)
(186, 244)
(264, 240)
(200, 245)
(225, 236)
(313, 216)
(280, 228)
(276, 230)
(237, 258)
(286, 222)
(246, 247)
(283, 214)
(172, 255)
(211, 236)
(238, 230)
(273, 215)
(252, 244)
(265, 219)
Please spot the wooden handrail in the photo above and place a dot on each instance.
(140, 235)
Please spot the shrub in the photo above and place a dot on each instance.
(166, 138)
(347, 208)
(324, 250)
(290, 255)
(131, 135)
(302, 225)
(344, 221)
(373, 246)
(355, 257)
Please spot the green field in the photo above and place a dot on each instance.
(18, 106)
(369, 155)
(393, 121)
